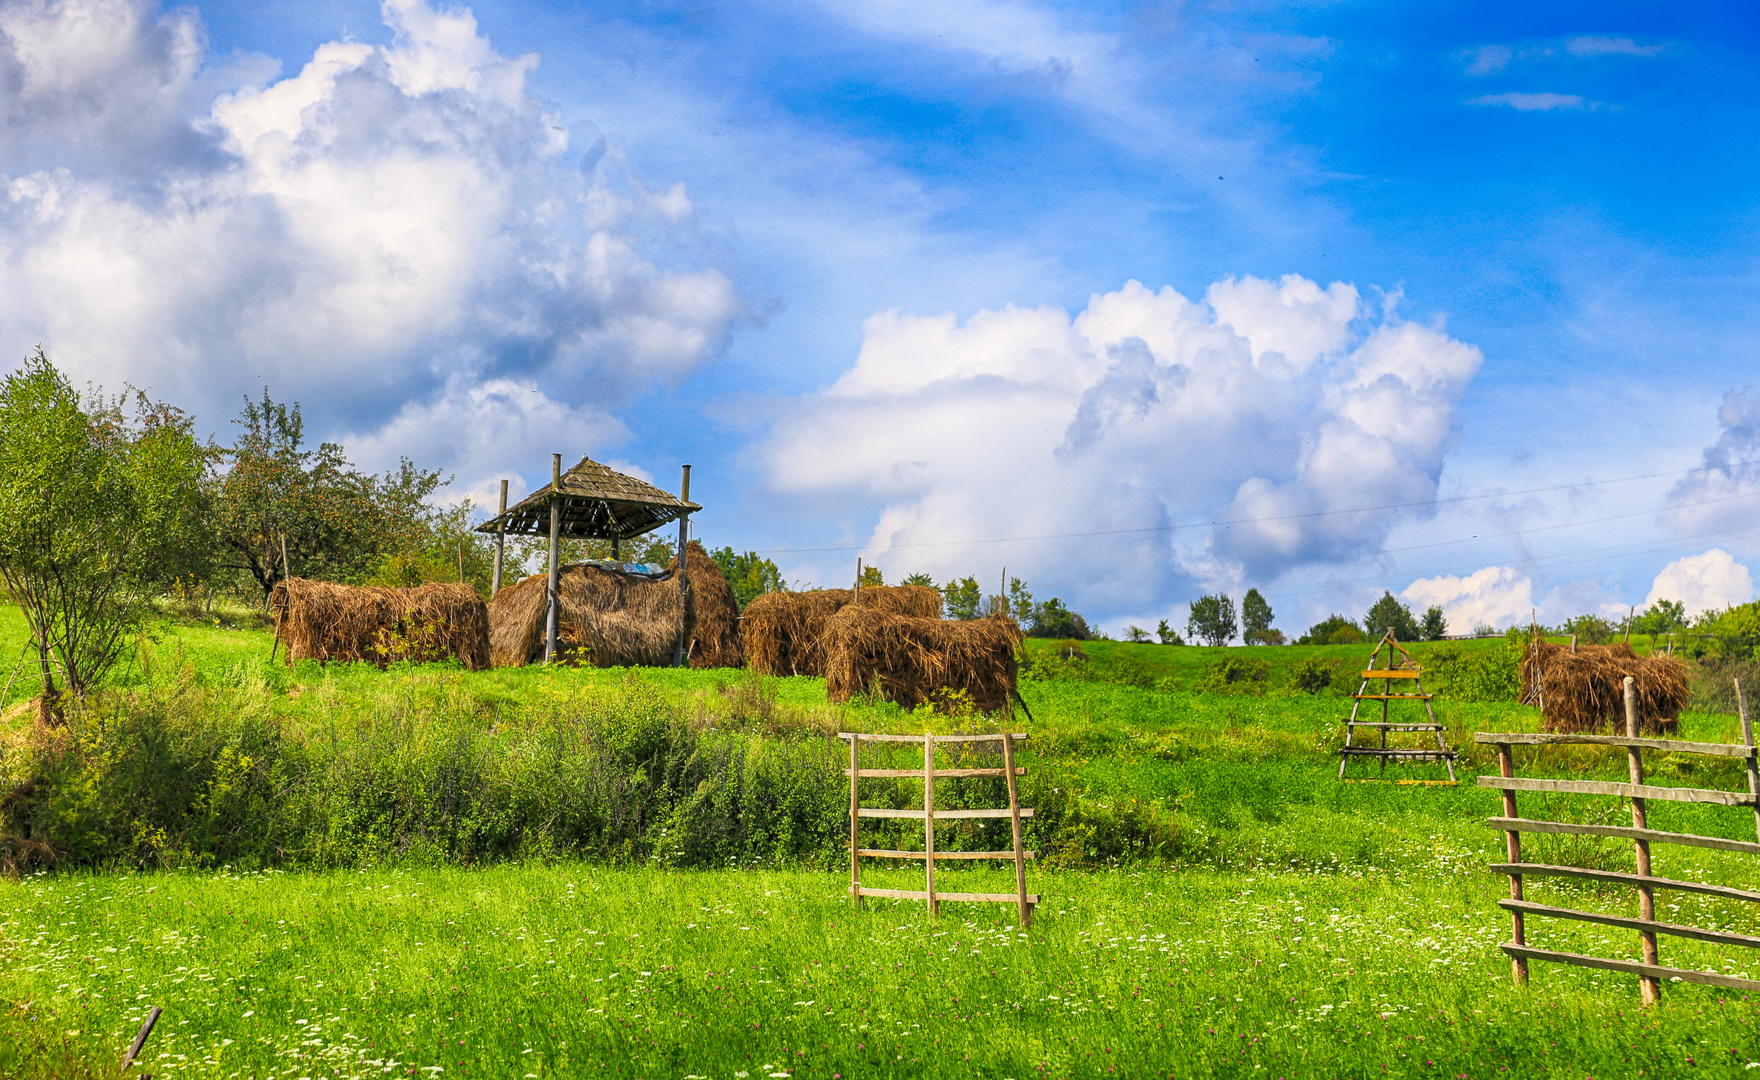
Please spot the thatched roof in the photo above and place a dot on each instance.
(598, 503)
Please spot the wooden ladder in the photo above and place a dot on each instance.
(1387, 676)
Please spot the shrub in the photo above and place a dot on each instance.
(1234, 674)
(1312, 675)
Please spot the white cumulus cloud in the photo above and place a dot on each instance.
(1210, 440)
(394, 234)
(1704, 582)
(1494, 596)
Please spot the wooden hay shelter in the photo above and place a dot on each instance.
(323, 621)
(1581, 689)
(913, 659)
(591, 502)
(783, 632)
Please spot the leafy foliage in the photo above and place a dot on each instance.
(1332, 630)
(1662, 617)
(1312, 675)
(1387, 614)
(963, 599)
(1212, 619)
(1590, 629)
(97, 511)
(1234, 674)
(1435, 626)
(1166, 634)
(750, 575)
(1052, 619)
(1256, 620)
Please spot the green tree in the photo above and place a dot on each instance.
(750, 575)
(1434, 627)
(1332, 630)
(962, 598)
(1052, 619)
(1137, 635)
(1256, 620)
(1662, 617)
(1387, 614)
(919, 578)
(1020, 602)
(1590, 629)
(96, 509)
(871, 576)
(1166, 634)
(1212, 619)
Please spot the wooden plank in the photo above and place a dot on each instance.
(940, 815)
(1403, 783)
(1390, 673)
(1652, 971)
(881, 853)
(863, 737)
(1671, 746)
(1394, 727)
(976, 897)
(1748, 741)
(1392, 697)
(938, 773)
(855, 826)
(1376, 751)
(1629, 791)
(1624, 832)
(1716, 937)
(1528, 869)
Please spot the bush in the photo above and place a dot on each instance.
(1234, 674)
(1480, 675)
(1312, 675)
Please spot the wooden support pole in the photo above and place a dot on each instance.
(855, 815)
(1748, 740)
(1649, 987)
(929, 822)
(858, 590)
(1023, 910)
(140, 1039)
(679, 659)
(500, 543)
(555, 571)
(1513, 843)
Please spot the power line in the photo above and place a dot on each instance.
(1261, 520)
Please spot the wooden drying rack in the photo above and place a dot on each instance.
(1394, 670)
(1024, 901)
(1650, 972)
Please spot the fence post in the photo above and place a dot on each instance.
(929, 821)
(1518, 965)
(1748, 740)
(1649, 987)
(855, 809)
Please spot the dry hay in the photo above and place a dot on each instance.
(715, 627)
(607, 618)
(783, 632)
(323, 621)
(911, 660)
(1585, 690)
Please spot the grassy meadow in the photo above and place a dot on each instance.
(326, 872)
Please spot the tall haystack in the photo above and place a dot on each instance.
(1585, 690)
(912, 658)
(715, 629)
(783, 631)
(607, 618)
(323, 621)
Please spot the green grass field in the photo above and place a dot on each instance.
(444, 890)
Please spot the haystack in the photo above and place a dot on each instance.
(911, 659)
(322, 621)
(1585, 690)
(715, 629)
(608, 618)
(783, 631)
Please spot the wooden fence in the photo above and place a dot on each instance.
(1650, 972)
(1024, 901)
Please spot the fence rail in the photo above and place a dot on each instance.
(1650, 972)
(1024, 901)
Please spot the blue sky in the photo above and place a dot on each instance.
(725, 234)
